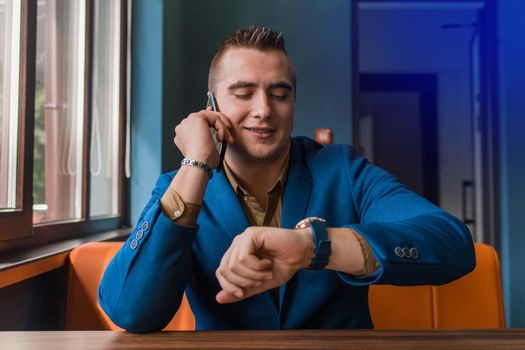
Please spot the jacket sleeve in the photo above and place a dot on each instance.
(413, 241)
(143, 284)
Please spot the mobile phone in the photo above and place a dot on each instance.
(221, 146)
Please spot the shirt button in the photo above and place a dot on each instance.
(139, 235)
(176, 213)
(134, 244)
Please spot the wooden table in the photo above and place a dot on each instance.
(297, 339)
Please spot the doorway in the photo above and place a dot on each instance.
(441, 146)
(398, 117)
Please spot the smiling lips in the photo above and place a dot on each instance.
(261, 132)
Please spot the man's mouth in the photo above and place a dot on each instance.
(261, 131)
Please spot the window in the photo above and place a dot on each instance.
(105, 130)
(62, 95)
(10, 17)
(59, 110)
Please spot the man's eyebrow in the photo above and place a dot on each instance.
(281, 85)
(247, 84)
(241, 84)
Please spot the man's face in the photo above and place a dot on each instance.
(254, 90)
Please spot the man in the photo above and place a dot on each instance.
(290, 234)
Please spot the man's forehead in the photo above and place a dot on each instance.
(247, 64)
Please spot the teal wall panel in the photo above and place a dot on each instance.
(146, 100)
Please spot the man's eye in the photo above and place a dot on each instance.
(280, 97)
(243, 96)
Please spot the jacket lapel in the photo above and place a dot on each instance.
(295, 204)
(224, 205)
(298, 188)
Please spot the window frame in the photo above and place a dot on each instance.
(17, 223)
(16, 227)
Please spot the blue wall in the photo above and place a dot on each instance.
(146, 100)
(512, 117)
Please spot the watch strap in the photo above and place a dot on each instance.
(322, 245)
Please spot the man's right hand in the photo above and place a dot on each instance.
(194, 140)
(261, 258)
(193, 137)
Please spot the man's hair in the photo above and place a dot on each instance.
(259, 38)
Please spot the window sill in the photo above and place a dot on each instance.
(30, 262)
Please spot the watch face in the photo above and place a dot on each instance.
(304, 223)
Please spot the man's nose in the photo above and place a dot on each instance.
(261, 106)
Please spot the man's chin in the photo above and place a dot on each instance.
(261, 156)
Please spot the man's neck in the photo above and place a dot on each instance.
(257, 177)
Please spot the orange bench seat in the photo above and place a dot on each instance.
(473, 301)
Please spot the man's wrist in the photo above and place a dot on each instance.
(199, 165)
(322, 246)
(309, 246)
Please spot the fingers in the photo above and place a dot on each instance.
(219, 121)
(241, 270)
(193, 137)
(244, 277)
(242, 261)
(223, 126)
(212, 119)
(216, 120)
(228, 287)
(223, 297)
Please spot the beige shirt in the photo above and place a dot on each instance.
(257, 215)
(186, 213)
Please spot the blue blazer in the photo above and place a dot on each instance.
(414, 242)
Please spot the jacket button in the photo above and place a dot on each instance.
(414, 253)
(134, 243)
(145, 226)
(139, 235)
(399, 252)
(406, 252)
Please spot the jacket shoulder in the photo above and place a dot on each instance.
(311, 149)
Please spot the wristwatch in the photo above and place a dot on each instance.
(322, 245)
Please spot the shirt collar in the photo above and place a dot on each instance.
(280, 183)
